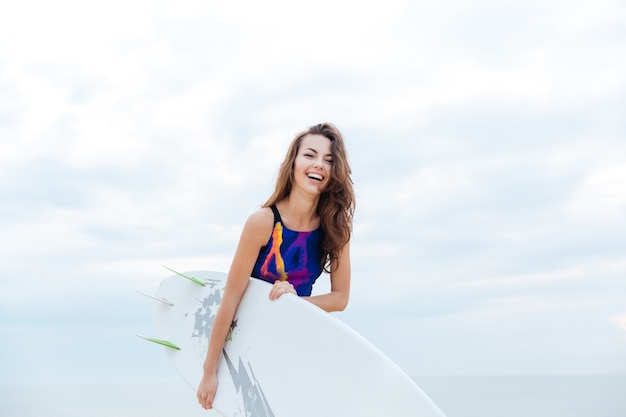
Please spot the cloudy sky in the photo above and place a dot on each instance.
(487, 141)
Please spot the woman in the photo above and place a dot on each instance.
(302, 230)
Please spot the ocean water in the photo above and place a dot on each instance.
(502, 396)
(529, 396)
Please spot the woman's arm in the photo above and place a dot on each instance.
(255, 234)
(337, 298)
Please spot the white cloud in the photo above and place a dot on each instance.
(424, 190)
(601, 196)
(541, 278)
(536, 305)
(485, 140)
(583, 15)
(620, 321)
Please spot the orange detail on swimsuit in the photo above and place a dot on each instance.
(277, 240)
(290, 255)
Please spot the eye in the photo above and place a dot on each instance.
(329, 161)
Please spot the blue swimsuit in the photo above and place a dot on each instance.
(290, 255)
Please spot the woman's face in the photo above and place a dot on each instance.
(313, 165)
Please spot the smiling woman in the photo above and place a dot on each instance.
(302, 230)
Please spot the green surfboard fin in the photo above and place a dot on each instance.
(192, 279)
(162, 300)
(160, 342)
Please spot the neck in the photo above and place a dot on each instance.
(299, 211)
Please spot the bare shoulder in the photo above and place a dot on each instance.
(262, 217)
(259, 225)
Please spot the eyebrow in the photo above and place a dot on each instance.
(313, 150)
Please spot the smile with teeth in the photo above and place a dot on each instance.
(316, 177)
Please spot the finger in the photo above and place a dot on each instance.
(281, 287)
(206, 403)
(276, 289)
(273, 292)
(284, 290)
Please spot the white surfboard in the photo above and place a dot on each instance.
(283, 358)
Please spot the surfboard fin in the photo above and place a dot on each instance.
(163, 300)
(192, 279)
(159, 341)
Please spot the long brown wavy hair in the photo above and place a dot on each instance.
(336, 204)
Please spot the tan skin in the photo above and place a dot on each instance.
(312, 170)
